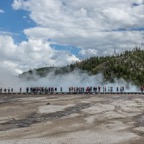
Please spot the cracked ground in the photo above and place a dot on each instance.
(71, 119)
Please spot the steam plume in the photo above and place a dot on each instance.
(76, 78)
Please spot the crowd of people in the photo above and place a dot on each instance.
(49, 90)
(96, 89)
(6, 90)
(42, 90)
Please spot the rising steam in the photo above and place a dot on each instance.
(76, 78)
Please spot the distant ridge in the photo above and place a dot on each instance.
(128, 65)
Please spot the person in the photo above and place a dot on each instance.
(111, 89)
(5, 90)
(55, 89)
(61, 89)
(103, 89)
(1, 90)
(122, 89)
(27, 90)
(49, 89)
(11, 90)
(99, 88)
(108, 89)
(69, 89)
(8, 90)
(96, 89)
(117, 89)
(20, 89)
(142, 88)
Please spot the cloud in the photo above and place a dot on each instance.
(95, 27)
(2, 11)
(84, 24)
(4, 33)
(85, 15)
(31, 54)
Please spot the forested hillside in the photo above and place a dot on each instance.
(128, 65)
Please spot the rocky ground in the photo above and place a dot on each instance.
(71, 119)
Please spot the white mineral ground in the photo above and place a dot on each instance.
(72, 119)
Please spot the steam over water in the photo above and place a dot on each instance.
(76, 78)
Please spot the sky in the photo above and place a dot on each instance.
(39, 33)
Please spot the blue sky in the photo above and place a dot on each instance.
(13, 21)
(60, 32)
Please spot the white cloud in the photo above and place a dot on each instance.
(88, 52)
(85, 24)
(31, 54)
(1, 11)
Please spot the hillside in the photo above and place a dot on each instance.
(128, 65)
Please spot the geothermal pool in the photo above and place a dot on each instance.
(72, 119)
